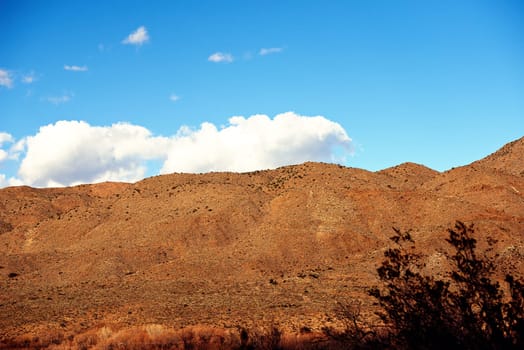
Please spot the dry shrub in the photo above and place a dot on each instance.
(30, 341)
(86, 340)
(262, 337)
(104, 333)
(199, 337)
(156, 336)
(154, 330)
(305, 341)
(209, 338)
(130, 339)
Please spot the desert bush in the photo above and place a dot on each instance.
(268, 337)
(468, 309)
(157, 337)
(53, 339)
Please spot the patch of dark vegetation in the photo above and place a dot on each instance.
(5, 227)
(467, 309)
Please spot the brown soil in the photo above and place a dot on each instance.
(226, 249)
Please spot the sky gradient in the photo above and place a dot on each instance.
(118, 90)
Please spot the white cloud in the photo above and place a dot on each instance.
(10, 154)
(6, 79)
(17, 149)
(73, 152)
(174, 97)
(76, 68)
(29, 78)
(4, 138)
(3, 181)
(270, 50)
(3, 155)
(58, 100)
(257, 142)
(12, 181)
(220, 57)
(138, 37)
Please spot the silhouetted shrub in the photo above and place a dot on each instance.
(466, 310)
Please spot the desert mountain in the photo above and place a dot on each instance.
(228, 249)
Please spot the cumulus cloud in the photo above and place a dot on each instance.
(6, 78)
(73, 152)
(12, 181)
(138, 37)
(3, 181)
(270, 50)
(17, 149)
(174, 97)
(257, 142)
(10, 153)
(3, 155)
(4, 138)
(218, 57)
(76, 68)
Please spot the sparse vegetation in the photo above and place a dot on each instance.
(91, 267)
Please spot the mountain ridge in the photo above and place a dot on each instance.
(276, 245)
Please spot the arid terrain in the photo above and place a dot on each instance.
(230, 250)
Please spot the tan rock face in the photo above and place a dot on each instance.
(228, 249)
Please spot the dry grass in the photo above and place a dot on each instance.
(156, 336)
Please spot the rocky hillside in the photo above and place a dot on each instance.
(228, 249)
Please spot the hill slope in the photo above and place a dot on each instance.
(229, 249)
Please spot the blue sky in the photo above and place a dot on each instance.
(118, 90)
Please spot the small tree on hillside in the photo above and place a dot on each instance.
(467, 310)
